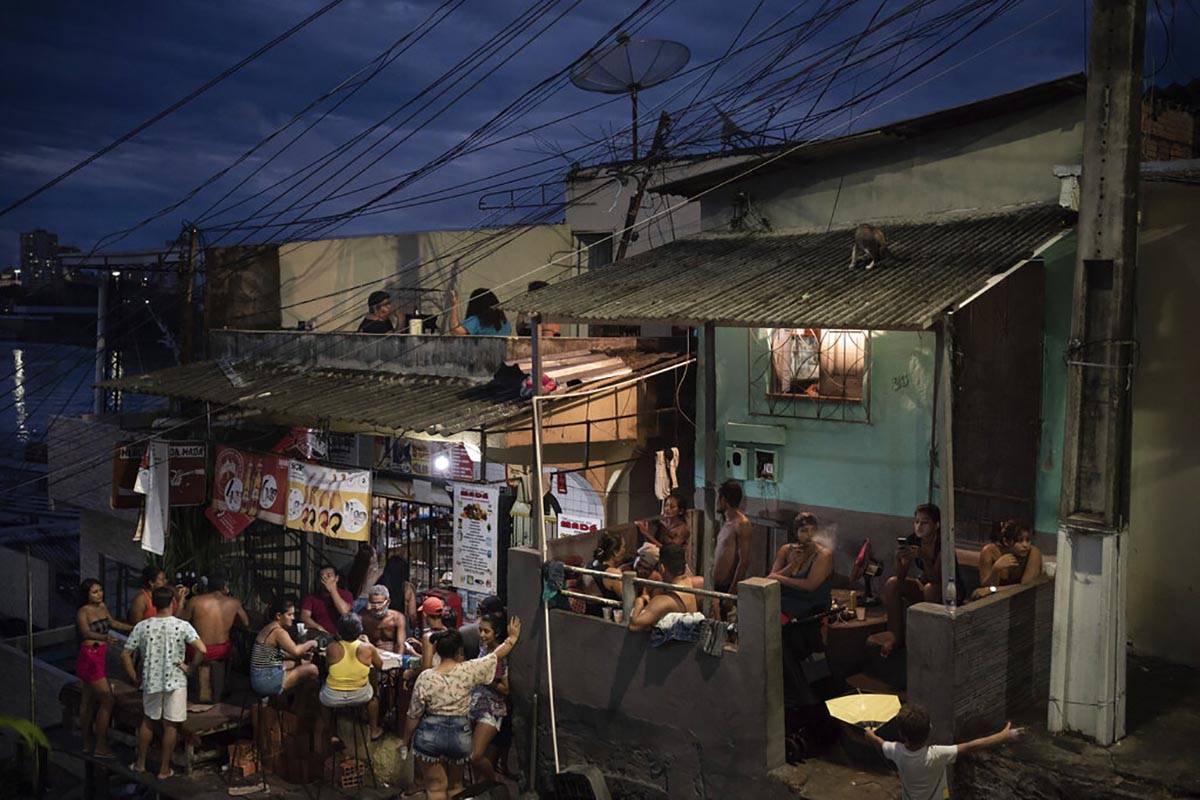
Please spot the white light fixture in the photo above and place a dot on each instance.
(441, 463)
(116, 273)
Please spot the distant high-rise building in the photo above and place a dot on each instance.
(39, 258)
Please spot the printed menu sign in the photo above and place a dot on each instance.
(329, 501)
(476, 519)
(246, 487)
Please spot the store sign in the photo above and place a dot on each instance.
(476, 524)
(433, 459)
(246, 487)
(332, 502)
(572, 525)
(188, 462)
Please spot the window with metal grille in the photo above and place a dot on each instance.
(811, 373)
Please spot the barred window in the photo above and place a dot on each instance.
(809, 372)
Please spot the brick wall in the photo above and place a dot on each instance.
(1169, 133)
(988, 663)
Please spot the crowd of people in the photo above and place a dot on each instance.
(459, 685)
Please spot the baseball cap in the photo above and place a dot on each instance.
(432, 606)
(648, 555)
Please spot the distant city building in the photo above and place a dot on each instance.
(39, 258)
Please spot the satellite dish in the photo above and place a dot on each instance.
(627, 67)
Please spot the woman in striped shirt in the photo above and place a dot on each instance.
(269, 675)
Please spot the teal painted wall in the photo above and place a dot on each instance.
(1060, 266)
(879, 467)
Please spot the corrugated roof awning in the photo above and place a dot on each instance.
(803, 279)
(379, 400)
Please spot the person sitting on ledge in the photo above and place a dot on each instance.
(608, 557)
(804, 569)
(922, 766)
(1009, 560)
(649, 607)
(671, 527)
(902, 589)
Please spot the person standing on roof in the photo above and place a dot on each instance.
(379, 314)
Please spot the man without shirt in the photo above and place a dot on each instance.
(385, 627)
(213, 615)
(647, 609)
(732, 553)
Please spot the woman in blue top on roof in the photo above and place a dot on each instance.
(484, 317)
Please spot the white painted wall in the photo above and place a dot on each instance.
(600, 202)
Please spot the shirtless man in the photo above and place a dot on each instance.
(213, 615)
(732, 556)
(647, 609)
(385, 627)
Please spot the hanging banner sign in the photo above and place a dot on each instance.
(246, 487)
(572, 525)
(476, 524)
(432, 459)
(188, 467)
(329, 501)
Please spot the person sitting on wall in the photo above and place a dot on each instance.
(804, 569)
(142, 606)
(608, 557)
(484, 317)
(649, 608)
(524, 328)
(1010, 559)
(379, 314)
(903, 589)
(646, 563)
(328, 602)
(671, 527)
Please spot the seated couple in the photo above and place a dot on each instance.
(612, 556)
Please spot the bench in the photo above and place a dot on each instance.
(985, 664)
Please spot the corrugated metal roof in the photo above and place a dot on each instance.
(803, 279)
(376, 400)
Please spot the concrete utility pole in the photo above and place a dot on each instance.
(1087, 673)
(188, 317)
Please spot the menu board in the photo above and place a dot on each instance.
(476, 523)
(246, 487)
(329, 501)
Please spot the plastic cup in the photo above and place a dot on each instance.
(860, 613)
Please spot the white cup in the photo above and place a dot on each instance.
(860, 613)
(300, 629)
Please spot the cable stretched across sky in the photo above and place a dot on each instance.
(171, 109)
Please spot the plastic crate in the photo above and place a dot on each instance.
(581, 782)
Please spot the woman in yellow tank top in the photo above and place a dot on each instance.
(350, 660)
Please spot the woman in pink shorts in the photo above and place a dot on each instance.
(95, 709)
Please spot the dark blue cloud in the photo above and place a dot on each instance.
(75, 74)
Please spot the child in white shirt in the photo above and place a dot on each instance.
(922, 767)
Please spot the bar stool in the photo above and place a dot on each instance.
(358, 730)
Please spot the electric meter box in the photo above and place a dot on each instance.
(737, 463)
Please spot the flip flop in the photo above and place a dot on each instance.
(170, 774)
(135, 768)
(379, 735)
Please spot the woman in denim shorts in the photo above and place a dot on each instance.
(269, 675)
(438, 729)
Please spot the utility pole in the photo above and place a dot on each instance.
(1087, 673)
(635, 202)
(98, 394)
(188, 317)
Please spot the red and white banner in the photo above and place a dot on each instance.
(246, 487)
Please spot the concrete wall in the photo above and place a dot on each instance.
(1164, 563)
(985, 665)
(600, 202)
(993, 163)
(13, 600)
(48, 679)
(432, 259)
(666, 722)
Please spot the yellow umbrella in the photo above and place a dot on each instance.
(865, 710)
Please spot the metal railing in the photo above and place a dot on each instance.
(629, 586)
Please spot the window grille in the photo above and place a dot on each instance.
(810, 373)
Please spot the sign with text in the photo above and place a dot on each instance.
(572, 525)
(476, 524)
(329, 501)
(433, 459)
(188, 464)
(246, 487)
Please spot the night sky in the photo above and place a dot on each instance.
(75, 75)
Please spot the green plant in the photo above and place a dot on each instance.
(15, 773)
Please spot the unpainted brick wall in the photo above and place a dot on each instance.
(1169, 133)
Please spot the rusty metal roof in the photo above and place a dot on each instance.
(803, 279)
(378, 400)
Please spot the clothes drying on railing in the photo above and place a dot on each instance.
(677, 626)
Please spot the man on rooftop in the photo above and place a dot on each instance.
(379, 314)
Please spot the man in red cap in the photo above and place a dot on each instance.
(431, 612)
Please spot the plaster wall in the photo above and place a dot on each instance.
(315, 277)
(12, 576)
(599, 204)
(1164, 535)
(993, 163)
(666, 722)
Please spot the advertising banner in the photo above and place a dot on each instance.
(432, 459)
(127, 459)
(573, 524)
(329, 501)
(476, 523)
(246, 487)
(188, 469)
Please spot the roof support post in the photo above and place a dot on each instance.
(945, 448)
(539, 517)
(1087, 656)
(710, 453)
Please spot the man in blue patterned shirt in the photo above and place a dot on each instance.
(161, 640)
